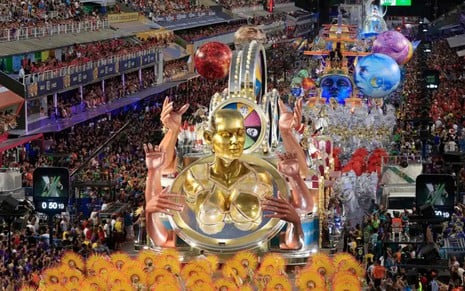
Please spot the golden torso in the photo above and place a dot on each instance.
(233, 197)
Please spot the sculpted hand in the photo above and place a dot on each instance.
(163, 203)
(170, 118)
(288, 164)
(298, 113)
(281, 208)
(154, 158)
(289, 119)
(286, 118)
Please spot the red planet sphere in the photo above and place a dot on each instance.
(212, 60)
(308, 83)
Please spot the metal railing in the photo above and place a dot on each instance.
(22, 33)
(61, 72)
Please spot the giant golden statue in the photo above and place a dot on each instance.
(225, 190)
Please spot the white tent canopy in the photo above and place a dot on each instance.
(456, 41)
(461, 53)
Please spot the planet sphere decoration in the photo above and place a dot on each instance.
(377, 75)
(212, 60)
(395, 45)
(308, 83)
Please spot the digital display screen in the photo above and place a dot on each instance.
(437, 193)
(50, 189)
(395, 2)
(431, 78)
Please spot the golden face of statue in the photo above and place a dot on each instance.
(228, 136)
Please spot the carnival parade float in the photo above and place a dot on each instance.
(255, 186)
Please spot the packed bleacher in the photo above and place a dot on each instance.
(267, 19)
(231, 4)
(36, 19)
(446, 131)
(86, 54)
(166, 9)
(70, 102)
(196, 34)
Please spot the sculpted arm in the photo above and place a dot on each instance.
(281, 208)
(287, 122)
(158, 200)
(301, 198)
(172, 121)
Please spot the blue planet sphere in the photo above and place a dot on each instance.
(377, 75)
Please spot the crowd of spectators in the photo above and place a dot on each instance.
(70, 102)
(174, 69)
(444, 124)
(17, 15)
(377, 243)
(192, 35)
(80, 54)
(267, 19)
(165, 8)
(231, 4)
(196, 34)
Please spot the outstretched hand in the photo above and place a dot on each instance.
(289, 119)
(154, 157)
(288, 164)
(163, 203)
(172, 119)
(280, 208)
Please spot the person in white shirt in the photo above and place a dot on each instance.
(21, 74)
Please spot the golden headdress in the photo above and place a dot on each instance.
(74, 286)
(214, 262)
(273, 261)
(192, 269)
(279, 282)
(93, 261)
(95, 283)
(169, 262)
(353, 267)
(226, 283)
(247, 259)
(134, 271)
(73, 260)
(234, 269)
(321, 263)
(119, 259)
(309, 278)
(123, 286)
(71, 274)
(341, 258)
(27, 287)
(52, 276)
(161, 277)
(205, 265)
(147, 258)
(198, 278)
(202, 286)
(346, 281)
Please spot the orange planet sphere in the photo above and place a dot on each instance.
(212, 60)
(308, 83)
